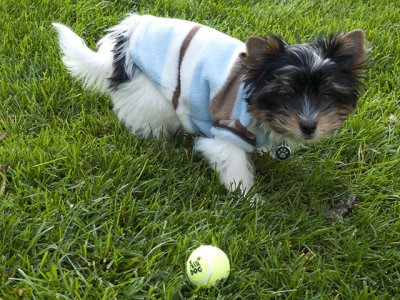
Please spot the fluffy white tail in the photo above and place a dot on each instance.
(93, 68)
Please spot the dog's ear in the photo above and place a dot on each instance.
(259, 49)
(348, 50)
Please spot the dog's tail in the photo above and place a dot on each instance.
(93, 68)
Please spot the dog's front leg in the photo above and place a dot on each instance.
(230, 161)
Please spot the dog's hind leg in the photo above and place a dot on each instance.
(141, 107)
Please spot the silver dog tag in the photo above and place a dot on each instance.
(282, 152)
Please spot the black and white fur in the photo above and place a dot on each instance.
(299, 93)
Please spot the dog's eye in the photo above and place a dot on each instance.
(284, 95)
(327, 97)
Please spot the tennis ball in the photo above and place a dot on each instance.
(207, 266)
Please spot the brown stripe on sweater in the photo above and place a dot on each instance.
(185, 45)
(238, 129)
(223, 103)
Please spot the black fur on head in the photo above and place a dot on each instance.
(305, 91)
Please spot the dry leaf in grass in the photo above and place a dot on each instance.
(339, 209)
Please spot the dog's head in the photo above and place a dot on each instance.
(306, 91)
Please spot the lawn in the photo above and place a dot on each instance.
(89, 211)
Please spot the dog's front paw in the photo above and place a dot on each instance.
(233, 184)
(230, 161)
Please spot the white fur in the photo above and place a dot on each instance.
(140, 105)
(92, 68)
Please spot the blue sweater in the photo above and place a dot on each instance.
(198, 69)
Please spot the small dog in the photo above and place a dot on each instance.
(164, 74)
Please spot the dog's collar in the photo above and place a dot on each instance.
(264, 136)
(277, 148)
(255, 136)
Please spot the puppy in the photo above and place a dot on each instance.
(165, 74)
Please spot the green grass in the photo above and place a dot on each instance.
(88, 211)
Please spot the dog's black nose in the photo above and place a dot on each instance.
(308, 127)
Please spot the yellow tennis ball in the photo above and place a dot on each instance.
(207, 266)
